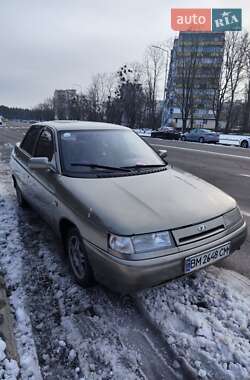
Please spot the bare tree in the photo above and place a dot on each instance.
(94, 99)
(186, 70)
(130, 94)
(239, 45)
(246, 112)
(154, 63)
(230, 76)
(44, 111)
(100, 94)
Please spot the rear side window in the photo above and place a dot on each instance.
(30, 138)
(45, 147)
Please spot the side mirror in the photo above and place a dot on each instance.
(40, 163)
(163, 153)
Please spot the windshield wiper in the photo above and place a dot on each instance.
(141, 166)
(100, 166)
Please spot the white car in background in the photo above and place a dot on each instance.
(237, 140)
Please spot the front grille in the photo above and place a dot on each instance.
(199, 232)
(202, 235)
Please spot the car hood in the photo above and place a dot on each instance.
(145, 203)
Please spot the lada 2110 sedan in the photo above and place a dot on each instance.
(125, 217)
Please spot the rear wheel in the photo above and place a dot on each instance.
(78, 258)
(19, 196)
(201, 140)
(244, 144)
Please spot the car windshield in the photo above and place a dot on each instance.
(94, 151)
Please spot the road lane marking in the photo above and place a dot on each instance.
(202, 151)
(245, 175)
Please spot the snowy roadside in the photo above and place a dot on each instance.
(8, 367)
(143, 132)
(206, 319)
(47, 303)
(64, 331)
(11, 265)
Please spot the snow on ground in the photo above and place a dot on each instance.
(11, 265)
(8, 368)
(143, 132)
(206, 319)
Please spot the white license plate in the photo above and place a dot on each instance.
(198, 261)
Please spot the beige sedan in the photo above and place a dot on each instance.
(125, 217)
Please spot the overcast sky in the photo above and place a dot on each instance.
(48, 44)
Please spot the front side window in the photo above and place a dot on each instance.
(29, 141)
(45, 147)
(111, 148)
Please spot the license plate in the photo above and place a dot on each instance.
(198, 261)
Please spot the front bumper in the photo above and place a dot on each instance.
(126, 276)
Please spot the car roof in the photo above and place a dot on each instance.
(62, 125)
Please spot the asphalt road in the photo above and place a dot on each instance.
(228, 168)
(225, 167)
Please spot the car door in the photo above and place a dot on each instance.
(192, 136)
(20, 158)
(42, 181)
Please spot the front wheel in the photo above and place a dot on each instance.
(201, 140)
(244, 144)
(183, 138)
(78, 258)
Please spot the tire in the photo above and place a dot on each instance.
(244, 144)
(183, 138)
(19, 196)
(78, 258)
(201, 140)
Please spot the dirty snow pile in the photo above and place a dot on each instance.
(11, 265)
(206, 320)
(8, 368)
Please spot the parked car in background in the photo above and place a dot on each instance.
(125, 217)
(201, 135)
(237, 140)
(167, 133)
(2, 123)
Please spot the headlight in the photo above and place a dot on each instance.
(152, 242)
(121, 244)
(141, 243)
(232, 218)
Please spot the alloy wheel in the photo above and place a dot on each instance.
(77, 257)
(244, 144)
